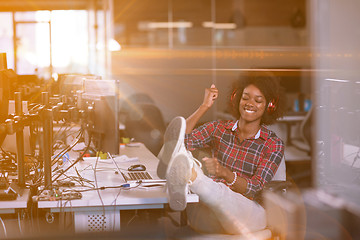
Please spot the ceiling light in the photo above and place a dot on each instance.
(219, 25)
(166, 25)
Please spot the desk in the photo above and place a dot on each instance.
(111, 201)
(8, 207)
(289, 120)
(18, 207)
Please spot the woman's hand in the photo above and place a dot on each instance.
(211, 95)
(214, 168)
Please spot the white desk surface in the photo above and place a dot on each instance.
(20, 202)
(115, 198)
(290, 118)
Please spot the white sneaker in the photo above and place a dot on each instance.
(177, 179)
(173, 144)
(178, 176)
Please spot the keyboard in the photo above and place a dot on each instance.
(136, 176)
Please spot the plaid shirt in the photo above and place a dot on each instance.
(255, 159)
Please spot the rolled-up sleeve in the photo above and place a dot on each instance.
(200, 137)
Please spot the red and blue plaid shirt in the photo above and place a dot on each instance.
(255, 159)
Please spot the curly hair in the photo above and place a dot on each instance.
(269, 86)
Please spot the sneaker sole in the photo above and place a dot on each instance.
(173, 140)
(177, 178)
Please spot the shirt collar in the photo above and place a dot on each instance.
(262, 133)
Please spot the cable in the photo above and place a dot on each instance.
(4, 227)
(132, 219)
(123, 186)
(356, 157)
(76, 161)
(115, 208)
(20, 228)
(67, 149)
(8, 154)
(96, 184)
(67, 128)
(79, 179)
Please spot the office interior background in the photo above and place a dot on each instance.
(171, 50)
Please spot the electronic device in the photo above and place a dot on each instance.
(137, 167)
(9, 143)
(138, 176)
(272, 105)
(100, 103)
(9, 189)
(68, 84)
(5, 75)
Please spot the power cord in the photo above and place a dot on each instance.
(4, 227)
(357, 156)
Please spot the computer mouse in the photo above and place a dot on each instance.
(137, 167)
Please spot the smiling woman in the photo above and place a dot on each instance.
(245, 156)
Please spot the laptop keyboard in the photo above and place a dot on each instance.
(143, 175)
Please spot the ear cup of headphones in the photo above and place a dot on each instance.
(233, 97)
(272, 106)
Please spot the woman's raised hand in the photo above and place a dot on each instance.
(211, 95)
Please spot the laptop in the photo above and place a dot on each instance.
(138, 177)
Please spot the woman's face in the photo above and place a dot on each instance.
(252, 104)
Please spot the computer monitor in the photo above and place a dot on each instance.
(68, 84)
(4, 93)
(100, 102)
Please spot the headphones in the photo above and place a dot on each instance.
(272, 105)
(233, 96)
(271, 108)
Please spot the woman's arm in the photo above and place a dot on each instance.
(212, 165)
(210, 96)
(264, 172)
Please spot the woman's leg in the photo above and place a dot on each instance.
(236, 213)
(203, 220)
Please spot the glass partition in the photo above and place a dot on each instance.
(336, 38)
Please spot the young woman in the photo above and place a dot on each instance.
(245, 156)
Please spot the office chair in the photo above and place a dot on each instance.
(144, 122)
(140, 98)
(135, 98)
